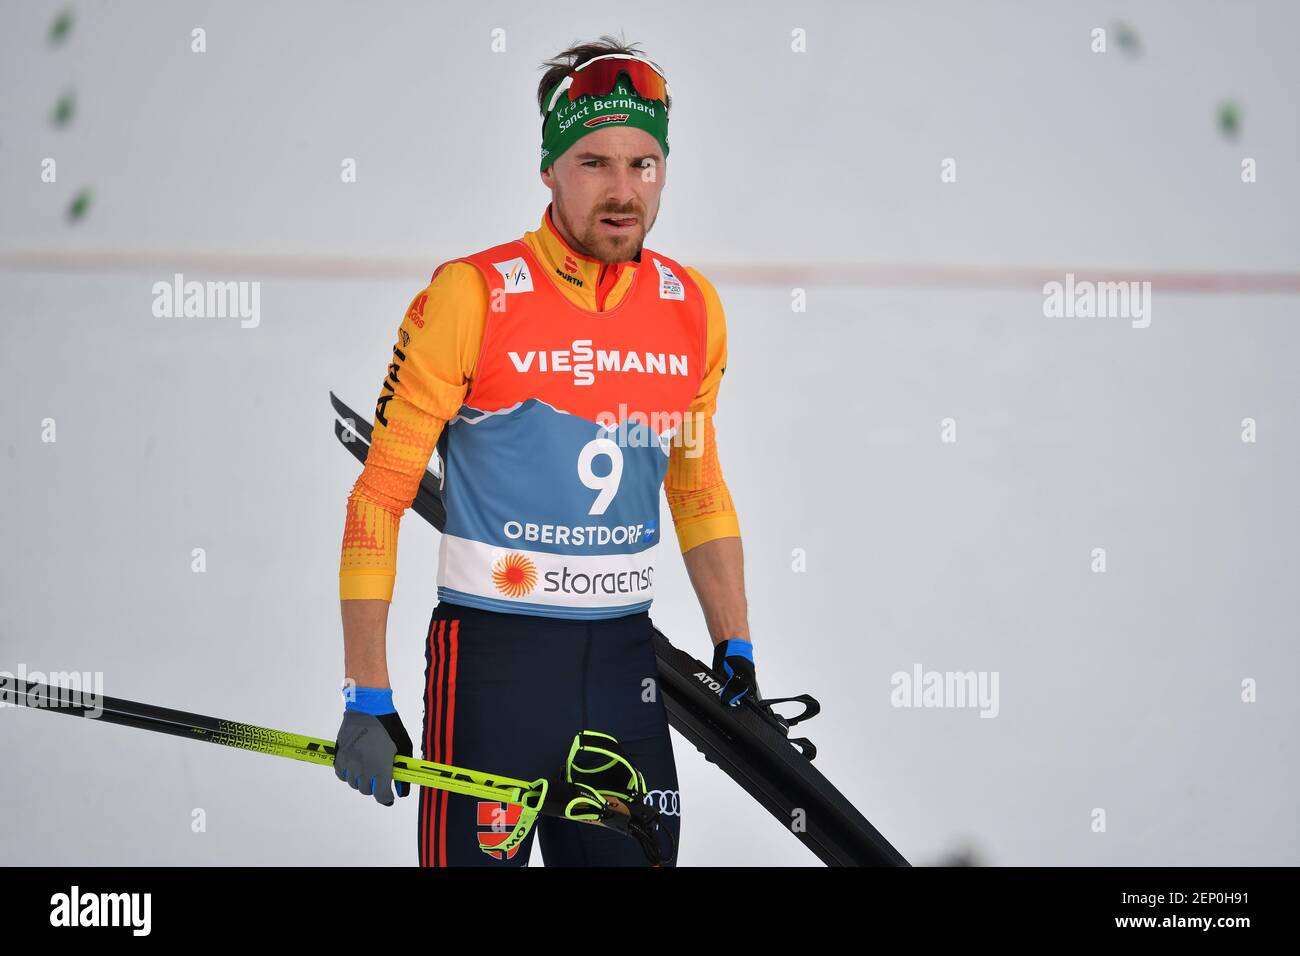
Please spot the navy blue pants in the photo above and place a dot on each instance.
(505, 694)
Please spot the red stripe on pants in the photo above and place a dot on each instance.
(439, 699)
(450, 689)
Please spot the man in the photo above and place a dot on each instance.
(563, 378)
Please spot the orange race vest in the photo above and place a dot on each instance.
(552, 466)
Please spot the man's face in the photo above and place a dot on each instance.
(605, 192)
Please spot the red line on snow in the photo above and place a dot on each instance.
(785, 274)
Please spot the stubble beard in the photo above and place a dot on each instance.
(603, 247)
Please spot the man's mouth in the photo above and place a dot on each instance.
(619, 223)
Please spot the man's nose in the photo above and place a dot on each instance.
(624, 189)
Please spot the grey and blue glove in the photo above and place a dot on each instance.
(370, 736)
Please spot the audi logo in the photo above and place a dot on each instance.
(668, 802)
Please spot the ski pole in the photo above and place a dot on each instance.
(277, 743)
(616, 808)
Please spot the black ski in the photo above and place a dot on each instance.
(750, 742)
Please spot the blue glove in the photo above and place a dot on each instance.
(734, 659)
(370, 736)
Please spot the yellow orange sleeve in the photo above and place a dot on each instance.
(432, 364)
(698, 498)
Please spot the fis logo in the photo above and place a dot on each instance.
(496, 821)
(515, 274)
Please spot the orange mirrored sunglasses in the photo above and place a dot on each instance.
(597, 77)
